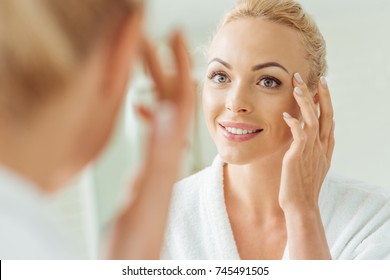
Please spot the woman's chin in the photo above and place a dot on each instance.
(237, 158)
(243, 157)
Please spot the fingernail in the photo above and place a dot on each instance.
(287, 115)
(165, 116)
(324, 83)
(298, 91)
(298, 78)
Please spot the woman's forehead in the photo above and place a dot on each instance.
(253, 40)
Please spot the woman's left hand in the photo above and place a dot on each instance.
(304, 168)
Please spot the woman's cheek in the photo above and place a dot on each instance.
(289, 104)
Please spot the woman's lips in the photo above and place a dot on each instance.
(239, 131)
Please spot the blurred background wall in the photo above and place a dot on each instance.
(358, 44)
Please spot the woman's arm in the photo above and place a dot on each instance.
(304, 168)
(139, 230)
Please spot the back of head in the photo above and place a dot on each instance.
(43, 41)
(291, 14)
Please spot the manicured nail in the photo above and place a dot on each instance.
(324, 83)
(165, 116)
(298, 91)
(287, 115)
(298, 78)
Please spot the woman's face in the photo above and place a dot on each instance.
(251, 64)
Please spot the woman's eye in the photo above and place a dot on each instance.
(269, 83)
(220, 78)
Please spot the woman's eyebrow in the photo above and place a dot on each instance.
(269, 64)
(224, 63)
(254, 68)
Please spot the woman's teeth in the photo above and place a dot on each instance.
(239, 131)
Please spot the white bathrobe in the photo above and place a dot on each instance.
(356, 218)
(27, 228)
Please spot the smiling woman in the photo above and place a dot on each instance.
(267, 194)
(254, 85)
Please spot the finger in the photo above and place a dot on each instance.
(155, 70)
(298, 82)
(306, 104)
(183, 71)
(299, 136)
(326, 111)
(331, 144)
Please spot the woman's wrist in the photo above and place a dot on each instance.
(305, 231)
(299, 207)
(302, 214)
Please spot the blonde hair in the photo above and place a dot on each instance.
(291, 14)
(43, 41)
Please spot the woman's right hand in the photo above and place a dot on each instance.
(175, 95)
(304, 168)
(139, 230)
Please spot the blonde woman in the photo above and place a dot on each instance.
(267, 194)
(64, 67)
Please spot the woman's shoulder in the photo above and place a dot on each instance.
(190, 187)
(196, 189)
(349, 188)
(356, 217)
(341, 194)
(193, 180)
(183, 237)
(200, 180)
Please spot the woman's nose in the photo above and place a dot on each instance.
(238, 102)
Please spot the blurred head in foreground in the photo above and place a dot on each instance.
(64, 67)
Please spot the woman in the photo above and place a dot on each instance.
(267, 194)
(64, 66)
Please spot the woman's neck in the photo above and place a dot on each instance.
(254, 187)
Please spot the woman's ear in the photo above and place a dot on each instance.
(122, 51)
